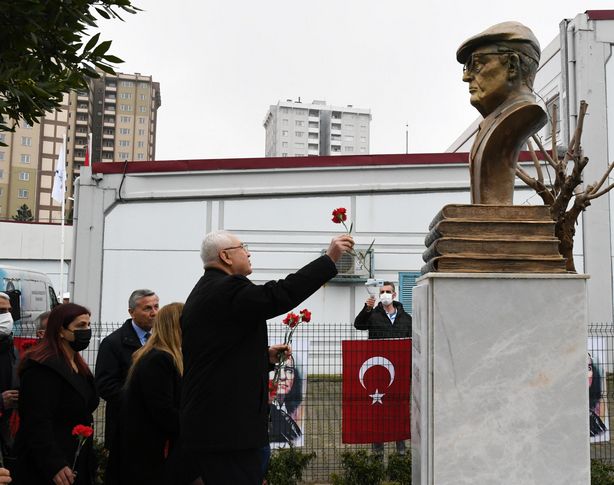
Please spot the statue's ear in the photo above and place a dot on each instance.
(513, 67)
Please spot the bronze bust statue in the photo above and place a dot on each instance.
(500, 65)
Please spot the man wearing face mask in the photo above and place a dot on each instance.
(8, 374)
(386, 320)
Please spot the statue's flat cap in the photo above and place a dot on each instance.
(512, 32)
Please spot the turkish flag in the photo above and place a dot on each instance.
(376, 390)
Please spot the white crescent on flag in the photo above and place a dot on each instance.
(373, 362)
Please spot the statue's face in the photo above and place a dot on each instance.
(488, 78)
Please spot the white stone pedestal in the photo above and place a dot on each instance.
(499, 380)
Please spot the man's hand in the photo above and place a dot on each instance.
(339, 245)
(10, 399)
(5, 476)
(274, 351)
(64, 477)
(370, 302)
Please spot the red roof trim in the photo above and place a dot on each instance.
(600, 14)
(286, 162)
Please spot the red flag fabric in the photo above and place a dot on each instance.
(376, 390)
(87, 156)
(23, 343)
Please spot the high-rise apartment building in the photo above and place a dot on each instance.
(120, 111)
(296, 129)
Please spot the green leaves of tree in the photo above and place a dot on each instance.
(46, 53)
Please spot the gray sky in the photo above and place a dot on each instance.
(221, 64)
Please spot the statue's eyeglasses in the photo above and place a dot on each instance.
(474, 65)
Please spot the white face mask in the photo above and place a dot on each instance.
(385, 298)
(6, 324)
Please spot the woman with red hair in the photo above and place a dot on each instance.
(57, 393)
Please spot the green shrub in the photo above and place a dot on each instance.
(359, 468)
(286, 466)
(399, 468)
(601, 473)
(102, 458)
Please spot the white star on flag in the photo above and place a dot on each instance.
(377, 397)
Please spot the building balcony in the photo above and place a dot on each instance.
(109, 99)
(110, 88)
(81, 122)
(107, 136)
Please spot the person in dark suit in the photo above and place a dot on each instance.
(386, 320)
(9, 382)
(224, 396)
(57, 393)
(114, 360)
(149, 417)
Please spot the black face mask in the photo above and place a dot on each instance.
(82, 339)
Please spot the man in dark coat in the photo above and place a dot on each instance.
(386, 320)
(115, 357)
(9, 383)
(224, 398)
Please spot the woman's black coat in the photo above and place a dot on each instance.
(149, 419)
(52, 401)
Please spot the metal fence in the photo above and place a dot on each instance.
(318, 415)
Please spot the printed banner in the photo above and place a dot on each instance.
(286, 421)
(376, 390)
(598, 410)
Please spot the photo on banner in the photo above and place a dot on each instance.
(599, 424)
(287, 410)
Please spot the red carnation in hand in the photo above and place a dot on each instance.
(305, 315)
(339, 215)
(82, 431)
(291, 320)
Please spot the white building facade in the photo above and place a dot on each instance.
(296, 129)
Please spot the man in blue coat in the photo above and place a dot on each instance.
(224, 402)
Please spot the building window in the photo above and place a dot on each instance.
(284, 132)
(363, 139)
(125, 95)
(25, 158)
(300, 112)
(144, 85)
(25, 176)
(335, 126)
(349, 126)
(284, 154)
(284, 121)
(23, 194)
(1, 173)
(125, 119)
(124, 131)
(407, 283)
(126, 84)
(123, 155)
(299, 134)
(363, 149)
(1, 155)
(140, 144)
(285, 110)
(364, 127)
(26, 141)
(141, 131)
(143, 109)
(141, 120)
(124, 143)
(299, 145)
(284, 144)
(348, 138)
(313, 124)
(125, 107)
(2, 137)
(349, 149)
(142, 97)
(299, 123)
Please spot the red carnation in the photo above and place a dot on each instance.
(339, 215)
(305, 315)
(82, 431)
(291, 320)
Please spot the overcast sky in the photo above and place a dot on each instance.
(221, 64)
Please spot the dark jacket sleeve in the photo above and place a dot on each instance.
(157, 378)
(362, 320)
(108, 377)
(276, 297)
(39, 401)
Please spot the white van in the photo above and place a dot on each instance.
(31, 294)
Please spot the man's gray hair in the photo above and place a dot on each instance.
(5, 296)
(137, 295)
(211, 246)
